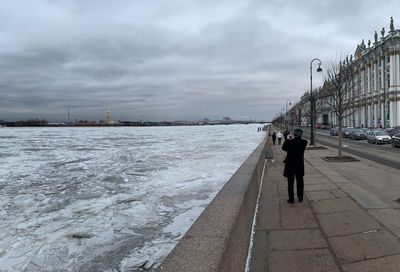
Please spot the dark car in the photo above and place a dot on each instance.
(346, 131)
(392, 131)
(334, 131)
(366, 130)
(396, 140)
(357, 134)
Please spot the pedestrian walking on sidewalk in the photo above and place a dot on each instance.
(273, 137)
(279, 135)
(294, 165)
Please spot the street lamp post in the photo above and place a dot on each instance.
(312, 101)
(286, 115)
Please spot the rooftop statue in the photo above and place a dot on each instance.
(369, 43)
(376, 37)
(383, 32)
(391, 25)
(362, 44)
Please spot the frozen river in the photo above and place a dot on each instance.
(109, 199)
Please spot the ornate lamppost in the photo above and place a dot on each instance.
(312, 100)
(286, 115)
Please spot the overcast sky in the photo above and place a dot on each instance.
(172, 59)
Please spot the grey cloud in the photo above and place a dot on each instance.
(165, 60)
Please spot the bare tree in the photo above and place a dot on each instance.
(338, 87)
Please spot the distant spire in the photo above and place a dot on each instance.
(391, 25)
(108, 116)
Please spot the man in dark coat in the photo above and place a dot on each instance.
(294, 165)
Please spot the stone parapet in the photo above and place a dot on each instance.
(219, 239)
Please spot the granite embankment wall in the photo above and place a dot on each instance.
(219, 238)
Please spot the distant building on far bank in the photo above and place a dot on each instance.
(108, 121)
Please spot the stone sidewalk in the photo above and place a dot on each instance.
(339, 226)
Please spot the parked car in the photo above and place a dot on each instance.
(357, 134)
(334, 131)
(392, 131)
(378, 137)
(366, 130)
(396, 140)
(346, 131)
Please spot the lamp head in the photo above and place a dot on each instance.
(319, 69)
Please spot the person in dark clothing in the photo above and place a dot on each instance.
(273, 137)
(285, 134)
(294, 163)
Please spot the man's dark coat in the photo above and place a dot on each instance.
(294, 162)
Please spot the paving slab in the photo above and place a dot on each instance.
(315, 260)
(342, 223)
(319, 195)
(315, 180)
(319, 187)
(349, 188)
(268, 218)
(334, 205)
(297, 217)
(296, 239)
(363, 246)
(389, 217)
(384, 264)
(338, 193)
(368, 200)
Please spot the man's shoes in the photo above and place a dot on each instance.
(300, 200)
(290, 201)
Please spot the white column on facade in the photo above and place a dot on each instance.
(382, 74)
(362, 82)
(392, 69)
(362, 116)
(397, 121)
(397, 71)
(357, 117)
(369, 79)
(348, 120)
(375, 69)
(392, 113)
(369, 116)
(376, 114)
(381, 115)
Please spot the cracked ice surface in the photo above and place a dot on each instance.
(109, 199)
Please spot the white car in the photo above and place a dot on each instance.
(378, 137)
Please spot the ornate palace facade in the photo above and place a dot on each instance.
(374, 91)
(376, 82)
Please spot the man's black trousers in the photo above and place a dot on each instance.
(300, 187)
